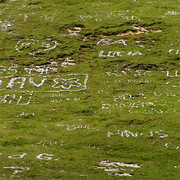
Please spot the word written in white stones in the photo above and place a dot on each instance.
(74, 127)
(59, 98)
(127, 134)
(40, 70)
(43, 156)
(68, 62)
(24, 114)
(118, 54)
(130, 72)
(130, 97)
(117, 168)
(127, 101)
(172, 13)
(4, 71)
(16, 99)
(140, 72)
(97, 16)
(46, 143)
(130, 106)
(125, 15)
(35, 47)
(40, 83)
(67, 99)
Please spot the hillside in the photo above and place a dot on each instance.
(90, 89)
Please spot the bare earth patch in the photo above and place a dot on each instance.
(140, 30)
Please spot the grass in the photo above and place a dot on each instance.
(58, 41)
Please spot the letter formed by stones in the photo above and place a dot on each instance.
(31, 81)
(13, 82)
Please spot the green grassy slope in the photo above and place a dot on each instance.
(89, 89)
